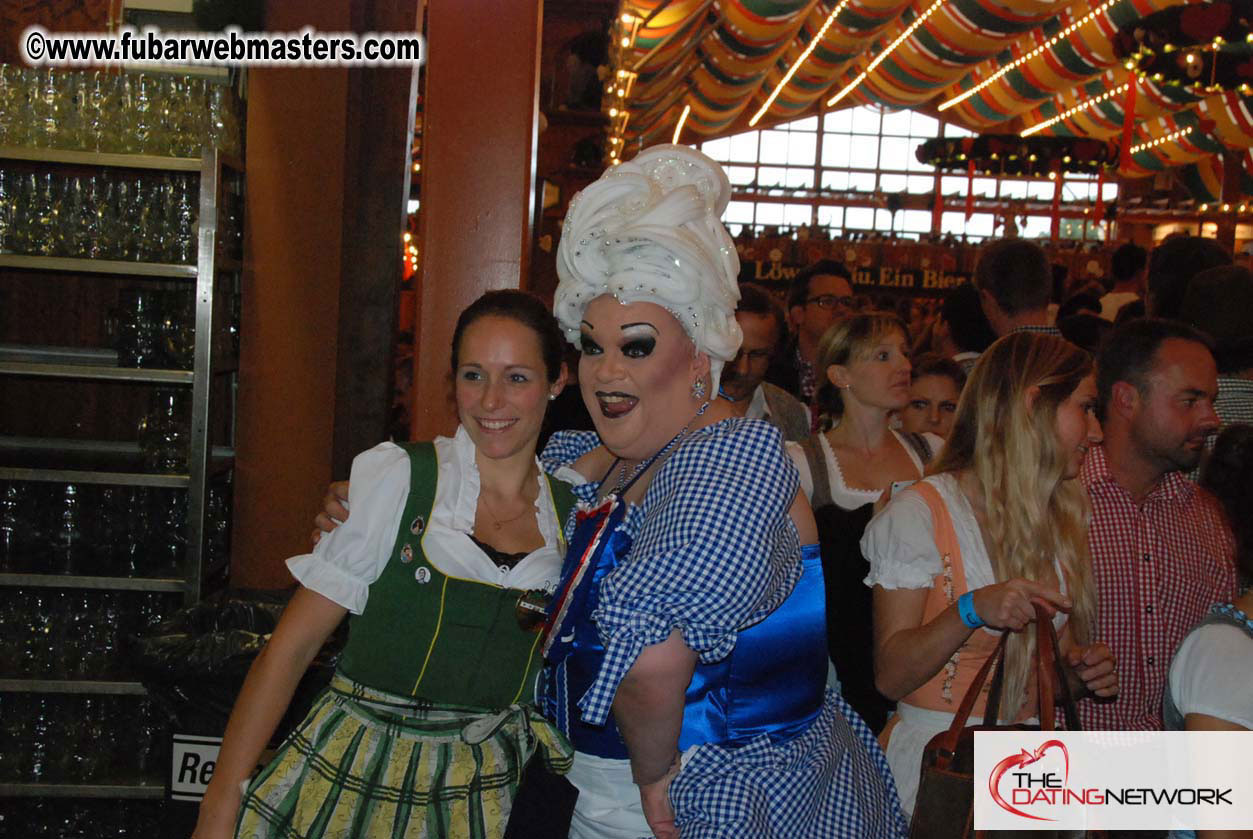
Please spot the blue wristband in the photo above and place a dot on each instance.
(966, 609)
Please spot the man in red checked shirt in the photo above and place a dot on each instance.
(1162, 552)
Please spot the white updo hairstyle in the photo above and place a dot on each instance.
(649, 230)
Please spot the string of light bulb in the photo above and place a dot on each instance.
(678, 129)
(881, 57)
(1165, 138)
(1082, 106)
(1022, 59)
(620, 88)
(796, 65)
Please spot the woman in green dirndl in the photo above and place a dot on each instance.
(444, 564)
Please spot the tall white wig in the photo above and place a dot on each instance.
(649, 231)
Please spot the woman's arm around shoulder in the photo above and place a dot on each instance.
(305, 625)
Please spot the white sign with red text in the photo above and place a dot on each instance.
(1113, 780)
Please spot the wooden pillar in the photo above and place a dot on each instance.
(379, 136)
(1231, 198)
(480, 111)
(291, 290)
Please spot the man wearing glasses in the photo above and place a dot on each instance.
(820, 295)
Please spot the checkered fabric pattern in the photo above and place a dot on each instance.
(563, 449)
(1234, 406)
(713, 551)
(760, 790)
(369, 763)
(1159, 566)
(688, 568)
(1041, 330)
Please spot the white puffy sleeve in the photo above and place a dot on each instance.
(347, 560)
(899, 544)
(1211, 675)
(797, 454)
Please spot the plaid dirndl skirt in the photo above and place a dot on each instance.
(365, 763)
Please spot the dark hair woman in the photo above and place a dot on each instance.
(447, 543)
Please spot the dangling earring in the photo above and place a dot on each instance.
(698, 388)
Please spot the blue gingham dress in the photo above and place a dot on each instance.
(714, 551)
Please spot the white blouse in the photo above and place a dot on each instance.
(346, 561)
(844, 496)
(1211, 674)
(899, 542)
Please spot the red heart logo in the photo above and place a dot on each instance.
(1025, 758)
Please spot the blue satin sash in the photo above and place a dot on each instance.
(772, 682)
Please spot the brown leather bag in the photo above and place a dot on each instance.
(945, 804)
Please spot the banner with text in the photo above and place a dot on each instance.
(1113, 780)
(911, 282)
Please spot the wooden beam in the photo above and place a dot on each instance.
(480, 121)
(381, 104)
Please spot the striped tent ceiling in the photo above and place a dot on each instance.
(1048, 67)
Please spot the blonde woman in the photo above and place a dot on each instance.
(1003, 500)
(847, 470)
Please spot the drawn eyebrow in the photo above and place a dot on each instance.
(627, 326)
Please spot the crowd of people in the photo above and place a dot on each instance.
(744, 602)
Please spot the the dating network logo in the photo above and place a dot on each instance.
(1027, 787)
(1112, 780)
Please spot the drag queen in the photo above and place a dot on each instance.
(686, 642)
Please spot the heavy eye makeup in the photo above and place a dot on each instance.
(638, 340)
(639, 347)
(587, 346)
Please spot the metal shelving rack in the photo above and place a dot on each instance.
(99, 462)
(154, 791)
(24, 459)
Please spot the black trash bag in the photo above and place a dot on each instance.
(194, 663)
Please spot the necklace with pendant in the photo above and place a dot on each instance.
(626, 478)
(499, 523)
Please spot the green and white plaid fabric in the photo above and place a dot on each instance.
(365, 763)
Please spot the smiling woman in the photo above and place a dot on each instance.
(451, 550)
(501, 386)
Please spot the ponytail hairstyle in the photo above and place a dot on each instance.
(526, 309)
(850, 339)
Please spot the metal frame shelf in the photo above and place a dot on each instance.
(119, 463)
(79, 265)
(153, 790)
(71, 476)
(93, 158)
(92, 582)
(88, 686)
(97, 373)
